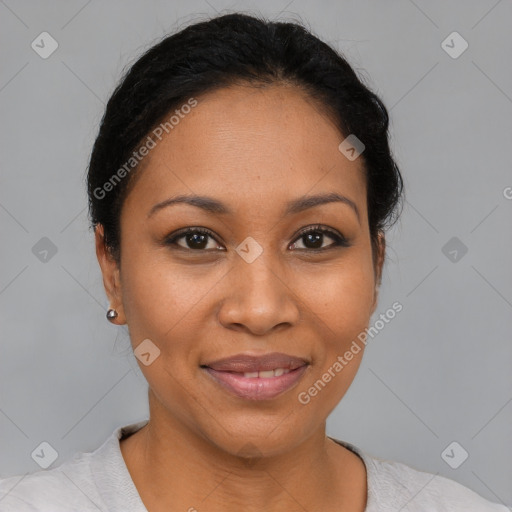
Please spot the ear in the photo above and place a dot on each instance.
(378, 264)
(111, 275)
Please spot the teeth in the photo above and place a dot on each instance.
(266, 374)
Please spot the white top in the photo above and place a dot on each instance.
(100, 481)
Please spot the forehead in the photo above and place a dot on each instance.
(249, 146)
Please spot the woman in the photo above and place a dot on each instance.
(239, 189)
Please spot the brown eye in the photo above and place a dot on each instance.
(314, 237)
(194, 239)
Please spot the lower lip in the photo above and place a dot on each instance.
(257, 388)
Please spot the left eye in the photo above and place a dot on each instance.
(313, 239)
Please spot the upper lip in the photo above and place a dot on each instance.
(241, 363)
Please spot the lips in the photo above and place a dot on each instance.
(244, 363)
(257, 377)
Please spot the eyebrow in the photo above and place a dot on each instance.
(211, 205)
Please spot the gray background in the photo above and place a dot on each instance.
(439, 372)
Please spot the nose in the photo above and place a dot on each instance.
(258, 298)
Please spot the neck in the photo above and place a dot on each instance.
(175, 468)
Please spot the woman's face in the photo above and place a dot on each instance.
(256, 285)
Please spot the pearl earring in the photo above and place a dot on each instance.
(111, 314)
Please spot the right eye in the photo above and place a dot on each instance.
(195, 239)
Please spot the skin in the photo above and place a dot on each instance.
(253, 149)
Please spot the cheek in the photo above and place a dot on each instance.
(342, 297)
(158, 295)
(161, 305)
(340, 308)
(168, 304)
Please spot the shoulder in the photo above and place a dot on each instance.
(64, 488)
(396, 486)
(419, 491)
(87, 482)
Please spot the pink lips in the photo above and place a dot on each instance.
(280, 372)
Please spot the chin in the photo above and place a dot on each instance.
(256, 436)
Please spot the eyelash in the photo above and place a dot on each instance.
(339, 240)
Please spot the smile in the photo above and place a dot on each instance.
(263, 385)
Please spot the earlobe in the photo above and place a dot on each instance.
(111, 275)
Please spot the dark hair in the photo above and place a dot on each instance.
(227, 50)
